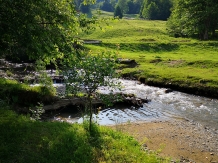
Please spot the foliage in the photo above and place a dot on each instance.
(134, 6)
(44, 29)
(191, 17)
(123, 6)
(24, 140)
(118, 12)
(107, 6)
(36, 28)
(13, 92)
(36, 113)
(85, 8)
(88, 73)
(156, 10)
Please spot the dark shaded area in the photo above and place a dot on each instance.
(151, 47)
(26, 141)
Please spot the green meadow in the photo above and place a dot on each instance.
(180, 63)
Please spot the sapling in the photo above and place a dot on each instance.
(88, 73)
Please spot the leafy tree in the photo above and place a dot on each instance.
(191, 17)
(134, 6)
(123, 6)
(42, 29)
(151, 12)
(156, 9)
(85, 8)
(88, 74)
(107, 6)
(113, 3)
(118, 12)
(39, 29)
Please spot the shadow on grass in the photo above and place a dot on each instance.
(151, 47)
(23, 140)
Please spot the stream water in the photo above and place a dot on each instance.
(163, 106)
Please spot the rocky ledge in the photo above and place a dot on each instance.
(127, 99)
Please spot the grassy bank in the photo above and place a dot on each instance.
(17, 93)
(185, 64)
(24, 141)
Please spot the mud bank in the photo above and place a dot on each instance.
(181, 140)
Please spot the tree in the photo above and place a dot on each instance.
(191, 17)
(107, 6)
(123, 6)
(156, 9)
(151, 12)
(118, 12)
(42, 29)
(36, 28)
(88, 73)
(134, 6)
(85, 8)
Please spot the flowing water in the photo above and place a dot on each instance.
(163, 106)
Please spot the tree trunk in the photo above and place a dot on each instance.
(90, 112)
(213, 33)
(205, 35)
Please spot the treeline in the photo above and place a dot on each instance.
(194, 17)
(148, 9)
(185, 18)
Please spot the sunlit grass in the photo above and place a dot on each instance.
(164, 58)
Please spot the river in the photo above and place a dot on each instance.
(163, 106)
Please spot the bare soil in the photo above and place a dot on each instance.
(181, 140)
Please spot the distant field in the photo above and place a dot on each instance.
(162, 59)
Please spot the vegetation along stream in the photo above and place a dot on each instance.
(165, 104)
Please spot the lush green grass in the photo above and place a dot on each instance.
(22, 94)
(27, 141)
(161, 58)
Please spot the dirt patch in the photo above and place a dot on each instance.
(147, 40)
(181, 140)
(173, 63)
(156, 60)
(181, 41)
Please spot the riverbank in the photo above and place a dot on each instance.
(179, 139)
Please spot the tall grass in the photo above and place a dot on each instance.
(25, 141)
(22, 94)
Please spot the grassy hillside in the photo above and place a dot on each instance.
(180, 63)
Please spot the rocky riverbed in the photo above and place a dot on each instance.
(182, 140)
